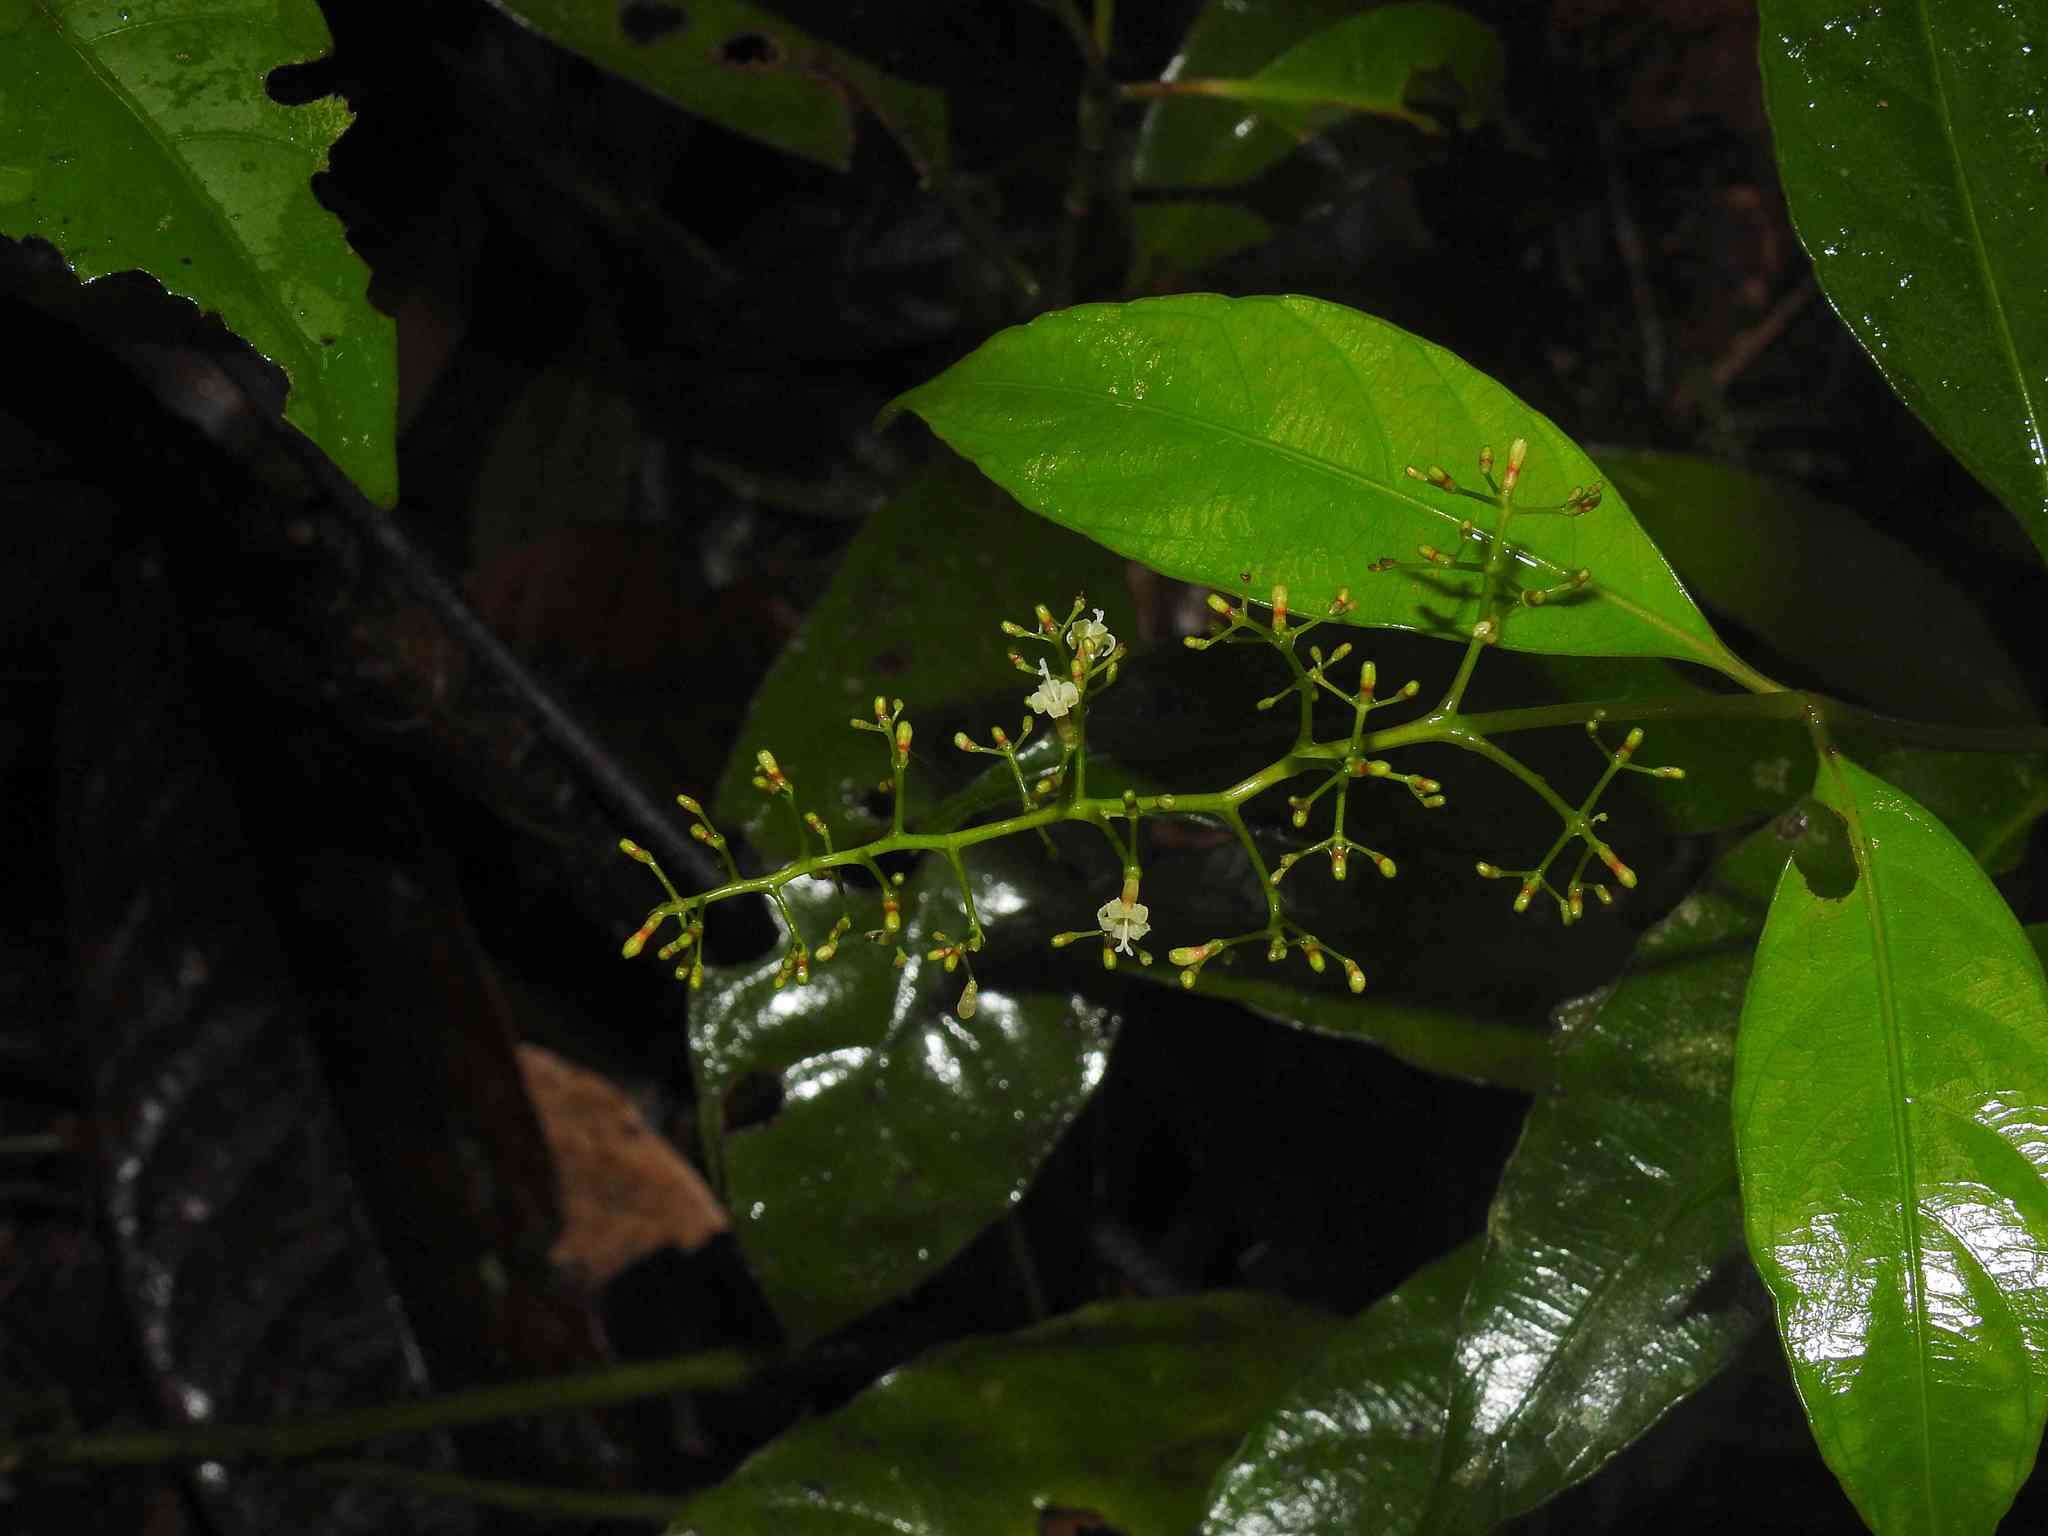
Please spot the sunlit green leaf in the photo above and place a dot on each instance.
(1254, 81)
(1809, 574)
(1354, 1444)
(137, 135)
(746, 69)
(1225, 439)
(1118, 1414)
(1911, 138)
(1175, 239)
(902, 1130)
(1891, 1118)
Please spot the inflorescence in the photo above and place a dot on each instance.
(1077, 657)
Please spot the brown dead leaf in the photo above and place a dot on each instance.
(625, 1191)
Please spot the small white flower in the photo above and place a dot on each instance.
(1093, 633)
(1124, 921)
(1055, 696)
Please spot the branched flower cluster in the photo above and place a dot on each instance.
(1079, 658)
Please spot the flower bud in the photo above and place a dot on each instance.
(633, 850)
(970, 999)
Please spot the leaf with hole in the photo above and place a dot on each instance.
(139, 136)
(1912, 143)
(1891, 1121)
(746, 69)
(891, 1131)
(1218, 439)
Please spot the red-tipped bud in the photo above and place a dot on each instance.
(1221, 604)
(1620, 870)
(637, 941)
(1353, 976)
(633, 850)
(1525, 895)
(689, 804)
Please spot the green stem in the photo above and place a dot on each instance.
(335, 1431)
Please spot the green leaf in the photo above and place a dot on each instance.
(1173, 239)
(1385, 63)
(137, 135)
(1119, 1413)
(1807, 573)
(903, 1131)
(1353, 1446)
(1510, 1370)
(1911, 142)
(1595, 1307)
(1891, 1097)
(1990, 801)
(1212, 437)
(746, 69)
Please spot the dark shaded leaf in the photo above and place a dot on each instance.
(1262, 78)
(257, 1291)
(1122, 1410)
(1170, 240)
(1810, 575)
(746, 69)
(1912, 146)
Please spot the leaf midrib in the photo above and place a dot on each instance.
(1992, 291)
(82, 49)
(1902, 1138)
(1708, 654)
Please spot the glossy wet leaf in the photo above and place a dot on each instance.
(902, 1130)
(1602, 1293)
(1261, 79)
(1177, 239)
(1608, 1288)
(1911, 139)
(137, 135)
(746, 69)
(1212, 437)
(1891, 1119)
(1121, 1412)
(1353, 1446)
(1807, 573)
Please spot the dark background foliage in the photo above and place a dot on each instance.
(293, 868)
